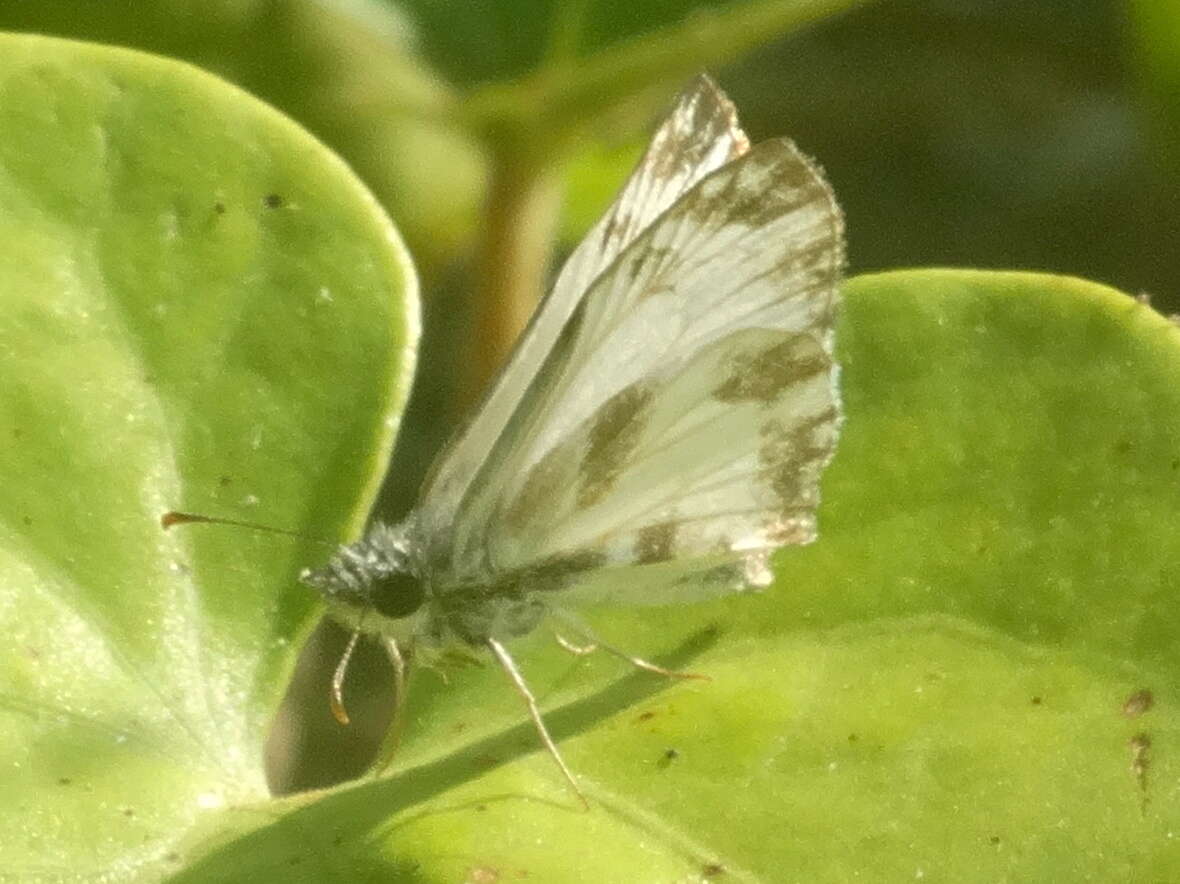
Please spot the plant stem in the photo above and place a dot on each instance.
(520, 214)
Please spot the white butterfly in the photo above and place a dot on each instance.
(660, 428)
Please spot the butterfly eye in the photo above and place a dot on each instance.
(397, 596)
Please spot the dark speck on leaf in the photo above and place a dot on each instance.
(274, 201)
(219, 208)
(1036, 701)
(1138, 703)
(1140, 745)
(64, 781)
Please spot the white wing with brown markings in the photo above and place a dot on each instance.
(687, 408)
(700, 135)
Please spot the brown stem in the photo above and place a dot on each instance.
(520, 214)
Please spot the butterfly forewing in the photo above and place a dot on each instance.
(700, 135)
(689, 404)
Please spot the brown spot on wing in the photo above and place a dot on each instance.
(614, 432)
(791, 456)
(548, 477)
(663, 160)
(776, 180)
(703, 117)
(764, 375)
(795, 185)
(656, 261)
(549, 575)
(655, 543)
(544, 484)
(614, 221)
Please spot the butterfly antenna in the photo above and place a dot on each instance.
(336, 697)
(174, 517)
(509, 666)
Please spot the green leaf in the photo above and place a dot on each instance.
(938, 687)
(352, 80)
(203, 309)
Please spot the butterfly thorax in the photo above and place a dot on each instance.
(382, 584)
(375, 584)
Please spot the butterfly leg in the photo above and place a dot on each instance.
(509, 665)
(336, 697)
(576, 650)
(399, 676)
(596, 642)
(648, 666)
(401, 669)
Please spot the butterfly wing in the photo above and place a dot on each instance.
(700, 134)
(676, 431)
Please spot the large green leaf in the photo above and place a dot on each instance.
(202, 308)
(949, 684)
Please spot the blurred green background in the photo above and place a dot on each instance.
(1015, 134)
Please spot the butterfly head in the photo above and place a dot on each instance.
(376, 575)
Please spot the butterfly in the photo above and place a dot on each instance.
(659, 430)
